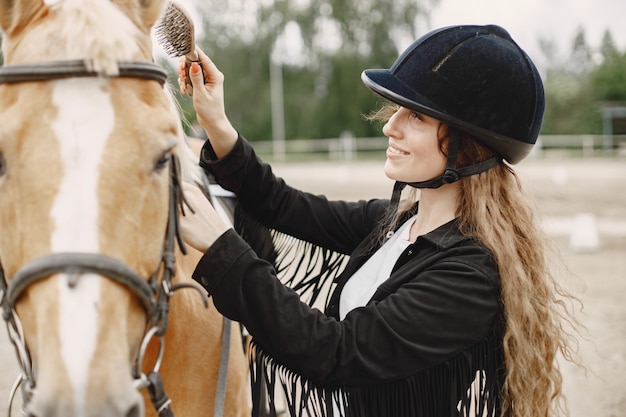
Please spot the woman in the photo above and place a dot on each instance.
(446, 306)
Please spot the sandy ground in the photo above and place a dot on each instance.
(567, 191)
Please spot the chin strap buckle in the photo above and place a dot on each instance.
(450, 176)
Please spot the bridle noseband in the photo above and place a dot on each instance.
(154, 293)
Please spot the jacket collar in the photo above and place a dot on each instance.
(446, 235)
(443, 237)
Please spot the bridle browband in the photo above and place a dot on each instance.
(153, 293)
(53, 70)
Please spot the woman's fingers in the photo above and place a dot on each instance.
(203, 226)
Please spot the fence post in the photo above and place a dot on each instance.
(347, 145)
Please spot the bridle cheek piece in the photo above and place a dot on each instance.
(153, 293)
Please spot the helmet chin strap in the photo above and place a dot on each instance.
(451, 173)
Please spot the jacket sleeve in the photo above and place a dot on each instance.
(336, 225)
(425, 321)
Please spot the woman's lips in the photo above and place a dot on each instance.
(394, 151)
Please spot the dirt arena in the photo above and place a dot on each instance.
(580, 199)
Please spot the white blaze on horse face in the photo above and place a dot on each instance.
(82, 133)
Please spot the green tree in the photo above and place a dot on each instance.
(580, 61)
(571, 107)
(570, 104)
(609, 78)
(337, 39)
(608, 49)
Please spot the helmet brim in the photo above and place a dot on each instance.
(385, 84)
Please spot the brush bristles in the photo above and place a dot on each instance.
(175, 31)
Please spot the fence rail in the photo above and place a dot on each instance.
(348, 147)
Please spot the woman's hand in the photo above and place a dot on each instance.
(208, 101)
(203, 226)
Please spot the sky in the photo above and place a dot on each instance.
(529, 20)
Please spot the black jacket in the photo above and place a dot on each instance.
(429, 330)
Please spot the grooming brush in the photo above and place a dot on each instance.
(175, 34)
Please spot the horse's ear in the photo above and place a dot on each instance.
(152, 11)
(16, 14)
(144, 13)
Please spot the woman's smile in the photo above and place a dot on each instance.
(413, 153)
(393, 151)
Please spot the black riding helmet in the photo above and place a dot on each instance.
(475, 79)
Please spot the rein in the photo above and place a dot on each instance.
(154, 294)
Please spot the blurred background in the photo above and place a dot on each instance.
(293, 89)
(293, 66)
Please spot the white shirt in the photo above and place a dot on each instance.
(363, 284)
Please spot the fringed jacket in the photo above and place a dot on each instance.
(428, 343)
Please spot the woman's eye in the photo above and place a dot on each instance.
(416, 116)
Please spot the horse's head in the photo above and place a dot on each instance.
(87, 138)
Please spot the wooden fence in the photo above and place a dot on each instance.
(347, 147)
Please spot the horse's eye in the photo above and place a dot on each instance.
(3, 165)
(163, 161)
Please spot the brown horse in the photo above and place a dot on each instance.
(91, 157)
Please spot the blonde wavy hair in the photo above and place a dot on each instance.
(540, 321)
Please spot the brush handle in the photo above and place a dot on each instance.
(190, 58)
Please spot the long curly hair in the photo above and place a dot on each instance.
(539, 313)
(495, 210)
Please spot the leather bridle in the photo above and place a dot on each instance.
(54, 70)
(153, 293)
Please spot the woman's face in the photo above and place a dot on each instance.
(413, 154)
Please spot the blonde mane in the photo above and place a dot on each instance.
(190, 170)
(102, 32)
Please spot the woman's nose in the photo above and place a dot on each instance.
(391, 128)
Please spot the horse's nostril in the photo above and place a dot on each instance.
(134, 411)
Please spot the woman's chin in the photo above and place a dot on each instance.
(389, 171)
(393, 173)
